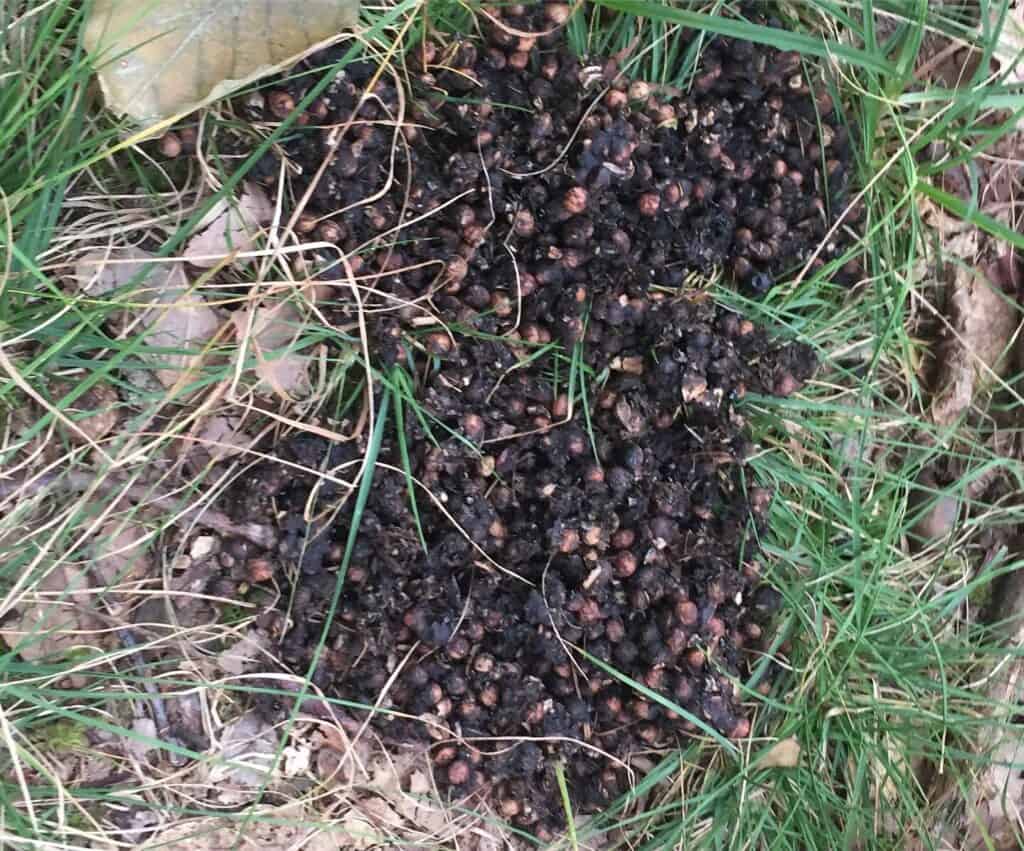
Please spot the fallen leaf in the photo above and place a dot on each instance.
(158, 59)
(250, 743)
(121, 552)
(96, 412)
(204, 547)
(287, 828)
(935, 512)
(631, 420)
(181, 320)
(297, 760)
(390, 776)
(271, 336)
(245, 654)
(223, 436)
(998, 789)
(48, 623)
(175, 317)
(233, 228)
(145, 728)
(785, 753)
(359, 833)
(979, 351)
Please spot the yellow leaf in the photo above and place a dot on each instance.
(159, 58)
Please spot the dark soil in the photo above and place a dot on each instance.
(621, 519)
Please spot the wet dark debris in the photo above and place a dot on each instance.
(614, 523)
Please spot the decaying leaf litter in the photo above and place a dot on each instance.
(448, 413)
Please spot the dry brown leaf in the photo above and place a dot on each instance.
(96, 412)
(181, 320)
(49, 625)
(250, 744)
(998, 791)
(245, 655)
(984, 321)
(174, 316)
(121, 554)
(233, 227)
(785, 753)
(270, 829)
(158, 59)
(223, 436)
(273, 332)
(389, 779)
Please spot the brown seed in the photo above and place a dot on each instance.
(438, 343)
(672, 194)
(615, 99)
(189, 139)
(445, 754)
(787, 384)
(459, 772)
(569, 542)
(306, 223)
(483, 664)
(489, 696)
(677, 640)
(281, 104)
(474, 235)
(535, 714)
(740, 730)
(649, 204)
(260, 570)
(473, 427)
(625, 564)
(170, 145)
(501, 304)
(509, 808)
(533, 333)
(648, 733)
(623, 539)
(330, 231)
(655, 678)
(519, 60)
(557, 13)
(575, 201)
(687, 612)
(524, 224)
(469, 710)
(695, 658)
(458, 648)
(614, 630)
(641, 709)
(639, 90)
(560, 407)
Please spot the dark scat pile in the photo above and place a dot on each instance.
(626, 530)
